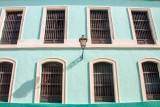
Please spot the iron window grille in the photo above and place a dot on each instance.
(51, 82)
(142, 27)
(103, 82)
(99, 25)
(10, 33)
(5, 78)
(55, 23)
(151, 80)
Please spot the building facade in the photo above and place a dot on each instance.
(41, 57)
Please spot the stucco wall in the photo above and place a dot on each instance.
(78, 90)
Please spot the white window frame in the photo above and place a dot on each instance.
(43, 24)
(3, 16)
(115, 78)
(141, 73)
(153, 31)
(38, 78)
(110, 22)
(10, 94)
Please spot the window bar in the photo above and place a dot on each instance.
(152, 81)
(11, 28)
(142, 27)
(100, 34)
(104, 91)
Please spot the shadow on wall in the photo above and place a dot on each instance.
(25, 89)
(73, 63)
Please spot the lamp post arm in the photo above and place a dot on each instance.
(82, 53)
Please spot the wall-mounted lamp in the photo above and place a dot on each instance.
(83, 41)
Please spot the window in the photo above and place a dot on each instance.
(103, 81)
(50, 81)
(5, 77)
(54, 24)
(150, 79)
(7, 69)
(143, 29)
(12, 22)
(100, 25)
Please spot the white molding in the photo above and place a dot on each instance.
(141, 73)
(10, 94)
(88, 21)
(115, 78)
(153, 31)
(38, 78)
(42, 32)
(74, 43)
(3, 16)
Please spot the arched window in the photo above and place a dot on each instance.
(50, 80)
(150, 78)
(103, 81)
(7, 70)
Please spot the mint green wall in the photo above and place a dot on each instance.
(78, 71)
(78, 90)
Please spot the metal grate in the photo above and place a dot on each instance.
(11, 27)
(152, 80)
(55, 22)
(51, 82)
(5, 77)
(142, 28)
(103, 82)
(100, 30)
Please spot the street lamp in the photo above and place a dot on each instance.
(83, 41)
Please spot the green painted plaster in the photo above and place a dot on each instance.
(78, 88)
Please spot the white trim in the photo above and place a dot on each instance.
(74, 43)
(38, 78)
(42, 32)
(10, 94)
(110, 21)
(153, 31)
(115, 78)
(154, 60)
(3, 16)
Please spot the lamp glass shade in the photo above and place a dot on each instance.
(83, 43)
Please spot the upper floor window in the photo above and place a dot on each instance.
(143, 29)
(100, 25)
(54, 24)
(50, 81)
(103, 81)
(12, 22)
(150, 79)
(7, 70)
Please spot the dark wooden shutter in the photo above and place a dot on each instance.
(142, 28)
(51, 82)
(5, 77)
(99, 25)
(55, 23)
(103, 82)
(11, 27)
(152, 80)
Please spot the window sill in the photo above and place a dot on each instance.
(70, 44)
